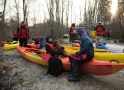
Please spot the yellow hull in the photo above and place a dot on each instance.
(100, 54)
(94, 67)
(10, 46)
(93, 34)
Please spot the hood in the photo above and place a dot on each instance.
(80, 31)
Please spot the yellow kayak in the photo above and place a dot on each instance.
(100, 54)
(11, 45)
(93, 33)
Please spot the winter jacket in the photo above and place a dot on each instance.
(86, 45)
(22, 31)
(100, 30)
(72, 30)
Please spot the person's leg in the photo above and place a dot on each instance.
(25, 42)
(20, 42)
(75, 71)
(73, 36)
(100, 39)
(70, 37)
(97, 40)
(86, 60)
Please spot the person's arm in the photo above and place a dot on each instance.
(103, 28)
(70, 29)
(85, 47)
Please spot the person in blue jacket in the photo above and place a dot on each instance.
(86, 48)
(39, 40)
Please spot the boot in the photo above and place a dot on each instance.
(74, 79)
(75, 76)
(70, 59)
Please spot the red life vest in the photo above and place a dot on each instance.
(15, 34)
(23, 32)
(73, 30)
(39, 38)
(99, 31)
(109, 32)
(51, 46)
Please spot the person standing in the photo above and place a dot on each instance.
(85, 54)
(100, 31)
(72, 32)
(108, 33)
(23, 34)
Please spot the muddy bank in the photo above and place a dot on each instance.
(17, 73)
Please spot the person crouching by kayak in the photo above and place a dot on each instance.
(85, 54)
(15, 36)
(51, 48)
(39, 40)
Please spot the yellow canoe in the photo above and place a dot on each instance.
(11, 45)
(100, 54)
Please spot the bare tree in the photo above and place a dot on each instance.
(17, 8)
(2, 22)
(25, 6)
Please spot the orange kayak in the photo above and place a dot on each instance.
(3, 42)
(31, 45)
(94, 67)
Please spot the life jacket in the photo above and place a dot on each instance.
(109, 33)
(83, 56)
(23, 32)
(51, 46)
(99, 31)
(72, 30)
(15, 34)
(39, 38)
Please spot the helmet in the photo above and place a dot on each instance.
(100, 23)
(73, 24)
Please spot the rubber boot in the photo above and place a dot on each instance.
(75, 77)
(70, 59)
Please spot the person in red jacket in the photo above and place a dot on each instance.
(108, 33)
(39, 40)
(72, 32)
(15, 36)
(23, 34)
(100, 32)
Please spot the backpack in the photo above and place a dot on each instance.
(54, 66)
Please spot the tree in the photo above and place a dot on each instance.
(2, 22)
